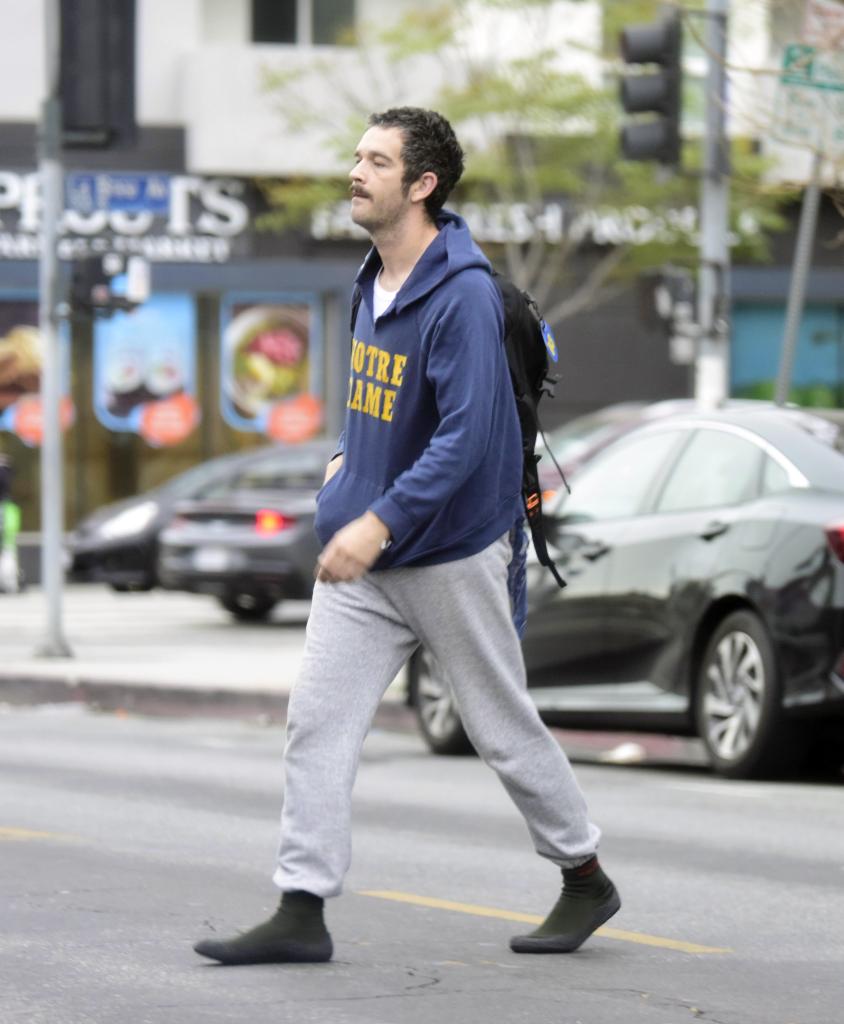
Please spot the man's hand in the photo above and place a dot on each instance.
(352, 550)
(332, 468)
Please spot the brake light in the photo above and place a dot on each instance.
(268, 521)
(835, 538)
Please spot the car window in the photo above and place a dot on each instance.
(774, 477)
(716, 468)
(269, 475)
(592, 430)
(193, 480)
(616, 483)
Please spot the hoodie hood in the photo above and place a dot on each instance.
(452, 251)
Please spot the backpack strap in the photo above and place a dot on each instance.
(522, 315)
(357, 295)
(532, 497)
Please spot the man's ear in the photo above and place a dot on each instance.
(421, 189)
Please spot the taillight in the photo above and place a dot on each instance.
(835, 538)
(268, 521)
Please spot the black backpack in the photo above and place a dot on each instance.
(529, 343)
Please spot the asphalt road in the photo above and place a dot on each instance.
(123, 839)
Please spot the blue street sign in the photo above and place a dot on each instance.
(127, 193)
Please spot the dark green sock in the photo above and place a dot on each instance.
(588, 899)
(296, 933)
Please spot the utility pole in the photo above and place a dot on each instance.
(799, 276)
(712, 363)
(51, 174)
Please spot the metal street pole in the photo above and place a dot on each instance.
(799, 275)
(54, 644)
(712, 362)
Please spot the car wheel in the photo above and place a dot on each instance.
(738, 711)
(246, 606)
(436, 711)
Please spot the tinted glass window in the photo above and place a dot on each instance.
(774, 477)
(270, 474)
(716, 468)
(274, 21)
(333, 20)
(616, 483)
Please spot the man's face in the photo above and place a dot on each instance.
(378, 199)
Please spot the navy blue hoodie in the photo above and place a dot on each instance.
(432, 443)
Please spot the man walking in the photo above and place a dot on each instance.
(416, 517)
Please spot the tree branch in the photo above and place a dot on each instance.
(594, 287)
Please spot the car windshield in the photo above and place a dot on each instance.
(268, 470)
(278, 471)
(569, 442)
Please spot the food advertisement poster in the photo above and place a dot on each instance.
(21, 362)
(145, 370)
(269, 366)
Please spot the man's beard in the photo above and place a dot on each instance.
(374, 219)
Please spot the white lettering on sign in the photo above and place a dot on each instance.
(553, 222)
(204, 215)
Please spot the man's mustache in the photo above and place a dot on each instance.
(359, 193)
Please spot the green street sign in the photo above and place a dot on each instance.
(808, 67)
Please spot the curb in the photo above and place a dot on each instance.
(171, 701)
(582, 746)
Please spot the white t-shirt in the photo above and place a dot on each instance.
(381, 298)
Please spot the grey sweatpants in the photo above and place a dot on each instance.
(359, 635)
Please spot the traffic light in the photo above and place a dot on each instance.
(655, 92)
(97, 74)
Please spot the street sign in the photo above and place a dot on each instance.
(810, 67)
(127, 193)
(809, 107)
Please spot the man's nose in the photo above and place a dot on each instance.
(356, 173)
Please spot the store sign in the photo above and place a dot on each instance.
(498, 223)
(199, 222)
(268, 366)
(21, 364)
(129, 193)
(145, 370)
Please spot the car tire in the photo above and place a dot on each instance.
(246, 606)
(738, 707)
(434, 706)
(141, 587)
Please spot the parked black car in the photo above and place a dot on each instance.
(704, 556)
(118, 544)
(250, 542)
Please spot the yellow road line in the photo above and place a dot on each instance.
(22, 835)
(513, 915)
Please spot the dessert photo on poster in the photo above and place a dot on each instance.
(145, 370)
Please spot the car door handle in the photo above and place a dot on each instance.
(714, 529)
(594, 551)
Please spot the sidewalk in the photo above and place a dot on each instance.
(156, 652)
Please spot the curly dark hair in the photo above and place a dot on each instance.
(428, 144)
